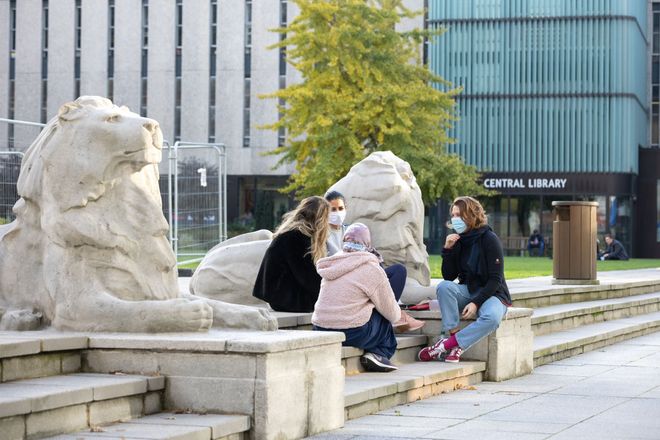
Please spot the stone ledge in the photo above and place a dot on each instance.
(217, 341)
(563, 311)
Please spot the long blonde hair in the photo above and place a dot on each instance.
(311, 218)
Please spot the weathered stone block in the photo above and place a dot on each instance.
(115, 410)
(69, 419)
(325, 401)
(13, 428)
(27, 367)
(280, 407)
(153, 403)
(206, 365)
(206, 394)
(71, 363)
(127, 361)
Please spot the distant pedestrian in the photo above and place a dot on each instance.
(473, 256)
(614, 250)
(535, 244)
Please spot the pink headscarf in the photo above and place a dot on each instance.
(357, 234)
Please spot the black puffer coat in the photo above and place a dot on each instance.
(287, 278)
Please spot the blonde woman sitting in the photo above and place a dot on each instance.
(287, 278)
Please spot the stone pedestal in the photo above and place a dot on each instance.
(290, 382)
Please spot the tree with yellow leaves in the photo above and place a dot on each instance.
(365, 89)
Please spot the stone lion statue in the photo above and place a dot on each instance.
(382, 192)
(229, 270)
(88, 249)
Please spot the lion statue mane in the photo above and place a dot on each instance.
(88, 249)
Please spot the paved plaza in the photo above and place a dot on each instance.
(610, 393)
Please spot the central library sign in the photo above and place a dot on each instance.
(559, 183)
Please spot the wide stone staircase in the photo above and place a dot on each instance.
(43, 393)
(239, 385)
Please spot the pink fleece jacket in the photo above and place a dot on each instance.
(352, 285)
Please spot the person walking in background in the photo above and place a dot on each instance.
(474, 256)
(287, 278)
(535, 242)
(396, 273)
(356, 299)
(614, 250)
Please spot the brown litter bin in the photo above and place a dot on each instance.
(574, 243)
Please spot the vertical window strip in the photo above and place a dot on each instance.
(145, 60)
(247, 73)
(177, 73)
(44, 61)
(78, 44)
(12, 73)
(213, 47)
(111, 48)
(281, 131)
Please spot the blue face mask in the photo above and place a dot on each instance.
(353, 247)
(458, 224)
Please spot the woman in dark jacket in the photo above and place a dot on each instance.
(473, 256)
(287, 278)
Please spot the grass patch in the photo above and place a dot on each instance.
(525, 267)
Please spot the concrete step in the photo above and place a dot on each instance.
(35, 408)
(566, 316)
(26, 355)
(171, 426)
(567, 343)
(536, 292)
(406, 352)
(367, 393)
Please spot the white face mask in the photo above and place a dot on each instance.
(337, 218)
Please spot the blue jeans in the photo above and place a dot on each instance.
(452, 298)
(396, 274)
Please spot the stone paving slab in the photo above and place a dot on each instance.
(584, 399)
(168, 426)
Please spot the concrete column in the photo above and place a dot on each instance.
(28, 70)
(128, 53)
(160, 76)
(265, 79)
(4, 74)
(61, 59)
(195, 72)
(229, 97)
(94, 48)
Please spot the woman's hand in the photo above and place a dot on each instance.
(469, 311)
(451, 240)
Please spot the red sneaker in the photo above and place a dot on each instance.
(431, 353)
(454, 355)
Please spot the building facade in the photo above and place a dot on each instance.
(555, 106)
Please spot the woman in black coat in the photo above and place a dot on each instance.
(473, 256)
(287, 278)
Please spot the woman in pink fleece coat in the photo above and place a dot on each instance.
(356, 299)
